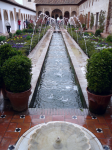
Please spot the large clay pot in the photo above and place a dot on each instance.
(19, 101)
(98, 103)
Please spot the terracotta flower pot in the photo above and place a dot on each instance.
(19, 101)
(98, 103)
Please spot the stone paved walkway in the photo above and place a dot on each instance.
(11, 122)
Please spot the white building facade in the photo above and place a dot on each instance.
(95, 6)
(30, 4)
(10, 12)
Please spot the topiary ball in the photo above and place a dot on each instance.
(17, 74)
(99, 72)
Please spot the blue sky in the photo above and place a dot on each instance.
(19, 1)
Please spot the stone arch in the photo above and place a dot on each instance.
(56, 13)
(1, 25)
(5, 19)
(66, 14)
(12, 21)
(5, 15)
(73, 13)
(41, 16)
(47, 13)
(39, 12)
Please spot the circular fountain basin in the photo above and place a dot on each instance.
(58, 135)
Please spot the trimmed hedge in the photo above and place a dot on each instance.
(99, 72)
(6, 51)
(17, 74)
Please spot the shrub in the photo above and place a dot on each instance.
(99, 73)
(24, 30)
(6, 51)
(102, 20)
(30, 30)
(17, 74)
(90, 47)
(30, 26)
(83, 25)
(86, 33)
(92, 21)
(2, 38)
(18, 32)
(10, 35)
(109, 38)
(28, 37)
(98, 33)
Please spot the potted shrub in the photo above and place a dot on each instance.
(99, 78)
(6, 51)
(16, 73)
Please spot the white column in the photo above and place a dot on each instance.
(70, 11)
(63, 11)
(3, 23)
(50, 15)
(43, 10)
(15, 26)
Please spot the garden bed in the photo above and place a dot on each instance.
(89, 43)
(24, 40)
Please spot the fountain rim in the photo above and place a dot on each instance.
(92, 136)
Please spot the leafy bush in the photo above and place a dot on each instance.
(30, 30)
(24, 30)
(90, 47)
(10, 35)
(27, 30)
(109, 38)
(18, 32)
(86, 33)
(17, 74)
(83, 25)
(6, 51)
(99, 73)
(2, 38)
(28, 37)
(92, 21)
(102, 20)
(98, 33)
(30, 26)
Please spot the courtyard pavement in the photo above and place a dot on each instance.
(13, 124)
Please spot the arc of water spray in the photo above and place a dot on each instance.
(45, 16)
(75, 27)
(82, 32)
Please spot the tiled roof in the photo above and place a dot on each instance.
(54, 2)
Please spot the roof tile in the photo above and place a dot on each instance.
(54, 2)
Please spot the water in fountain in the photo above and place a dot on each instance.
(57, 87)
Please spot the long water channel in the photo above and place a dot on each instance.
(57, 87)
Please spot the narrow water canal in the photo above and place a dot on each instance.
(57, 88)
